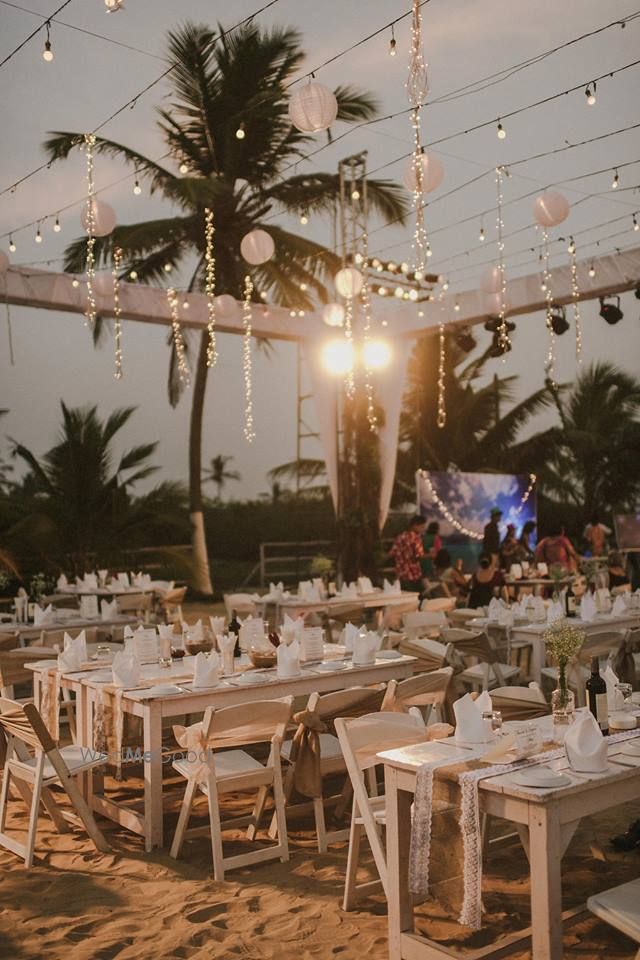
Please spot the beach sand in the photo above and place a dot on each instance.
(78, 904)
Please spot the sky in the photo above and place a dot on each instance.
(90, 78)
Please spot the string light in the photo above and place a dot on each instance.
(392, 43)
(551, 352)
(442, 410)
(168, 268)
(184, 167)
(133, 275)
(592, 271)
(504, 341)
(417, 80)
(355, 194)
(12, 245)
(456, 307)
(210, 286)
(591, 94)
(417, 89)
(249, 432)
(481, 236)
(616, 179)
(117, 321)
(75, 283)
(500, 131)
(527, 493)
(349, 380)
(445, 285)
(365, 298)
(56, 227)
(47, 53)
(241, 132)
(137, 189)
(575, 297)
(636, 225)
(38, 236)
(90, 312)
(304, 218)
(178, 339)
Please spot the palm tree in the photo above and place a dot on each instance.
(5, 468)
(76, 501)
(218, 473)
(220, 81)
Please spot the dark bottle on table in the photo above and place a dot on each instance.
(597, 697)
(234, 627)
(570, 601)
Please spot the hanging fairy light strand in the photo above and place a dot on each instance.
(117, 321)
(548, 295)
(349, 379)
(503, 331)
(442, 408)
(417, 89)
(178, 339)
(525, 496)
(210, 287)
(90, 312)
(575, 297)
(249, 432)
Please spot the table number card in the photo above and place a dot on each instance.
(312, 643)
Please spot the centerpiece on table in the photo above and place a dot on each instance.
(562, 642)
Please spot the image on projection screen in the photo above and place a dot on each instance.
(627, 530)
(469, 497)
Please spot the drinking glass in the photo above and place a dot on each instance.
(625, 691)
(495, 718)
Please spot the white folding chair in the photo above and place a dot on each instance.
(138, 604)
(34, 763)
(438, 604)
(361, 739)
(171, 602)
(227, 770)
(426, 692)
(620, 907)
(243, 604)
(424, 623)
(489, 671)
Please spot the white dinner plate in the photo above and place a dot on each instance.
(388, 655)
(541, 777)
(164, 690)
(328, 666)
(252, 678)
(631, 749)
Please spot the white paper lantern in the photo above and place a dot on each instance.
(550, 208)
(432, 173)
(257, 247)
(4, 262)
(491, 280)
(333, 314)
(103, 283)
(104, 218)
(348, 282)
(312, 108)
(226, 306)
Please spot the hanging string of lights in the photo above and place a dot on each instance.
(117, 321)
(503, 331)
(178, 339)
(210, 286)
(525, 496)
(349, 379)
(247, 362)
(575, 296)
(417, 89)
(548, 295)
(442, 409)
(90, 314)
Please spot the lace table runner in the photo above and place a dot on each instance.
(469, 822)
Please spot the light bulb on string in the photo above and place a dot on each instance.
(481, 235)
(75, 283)
(185, 304)
(241, 132)
(47, 53)
(355, 194)
(133, 275)
(137, 189)
(500, 131)
(418, 275)
(391, 267)
(429, 251)
(56, 227)
(392, 43)
(304, 218)
(592, 271)
(12, 245)
(591, 94)
(38, 237)
(184, 167)
(168, 268)
(456, 307)
(636, 225)
(616, 179)
(445, 285)
(572, 246)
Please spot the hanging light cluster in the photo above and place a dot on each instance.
(417, 89)
(365, 299)
(90, 224)
(575, 297)
(178, 339)
(504, 341)
(210, 286)
(117, 322)
(548, 295)
(249, 432)
(442, 409)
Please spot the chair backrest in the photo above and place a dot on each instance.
(471, 644)
(67, 601)
(24, 722)
(601, 644)
(461, 615)
(394, 613)
(258, 722)
(419, 691)
(133, 602)
(362, 738)
(347, 703)
(175, 596)
(347, 612)
(423, 622)
(55, 638)
(12, 665)
(520, 703)
(431, 654)
(437, 604)
(242, 603)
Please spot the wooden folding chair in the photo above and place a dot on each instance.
(424, 623)
(438, 604)
(620, 907)
(520, 703)
(63, 601)
(490, 671)
(33, 773)
(426, 692)
(264, 721)
(320, 713)
(13, 670)
(392, 616)
(171, 604)
(361, 739)
(138, 604)
(339, 615)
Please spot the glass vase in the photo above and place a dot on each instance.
(563, 703)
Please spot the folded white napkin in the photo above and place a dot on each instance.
(41, 616)
(102, 575)
(518, 610)
(123, 579)
(470, 727)
(587, 607)
(62, 582)
(227, 642)
(585, 746)
(615, 700)
(288, 656)
(483, 702)
(365, 647)
(90, 581)
(127, 632)
(126, 670)
(349, 592)
(166, 632)
(388, 587)
(206, 670)
(276, 591)
(516, 571)
(217, 625)
(555, 612)
(348, 636)
(74, 655)
(619, 607)
(365, 585)
(292, 629)
(506, 617)
(108, 609)
(495, 608)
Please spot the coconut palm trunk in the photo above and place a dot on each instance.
(200, 557)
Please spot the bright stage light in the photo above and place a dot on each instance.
(376, 354)
(337, 356)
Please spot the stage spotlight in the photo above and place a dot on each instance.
(465, 340)
(611, 312)
(559, 322)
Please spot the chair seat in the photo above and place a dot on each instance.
(619, 906)
(76, 758)
(231, 763)
(477, 673)
(329, 747)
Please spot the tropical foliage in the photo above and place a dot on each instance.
(218, 474)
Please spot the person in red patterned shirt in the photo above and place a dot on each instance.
(407, 552)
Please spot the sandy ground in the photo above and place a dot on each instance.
(78, 904)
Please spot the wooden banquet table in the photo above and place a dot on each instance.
(152, 710)
(29, 631)
(546, 820)
(118, 590)
(293, 607)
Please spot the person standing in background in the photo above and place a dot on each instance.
(509, 548)
(595, 533)
(525, 550)
(432, 543)
(491, 540)
(407, 552)
(557, 550)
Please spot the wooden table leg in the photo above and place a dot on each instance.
(152, 726)
(398, 830)
(545, 857)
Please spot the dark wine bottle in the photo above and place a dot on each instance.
(597, 697)
(570, 601)
(234, 627)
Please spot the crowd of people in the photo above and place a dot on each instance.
(424, 565)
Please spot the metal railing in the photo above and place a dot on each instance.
(290, 560)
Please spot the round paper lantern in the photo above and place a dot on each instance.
(257, 247)
(4, 262)
(226, 306)
(313, 108)
(104, 218)
(103, 283)
(348, 282)
(550, 208)
(432, 173)
(333, 314)
(491, 281)
(492, 304)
